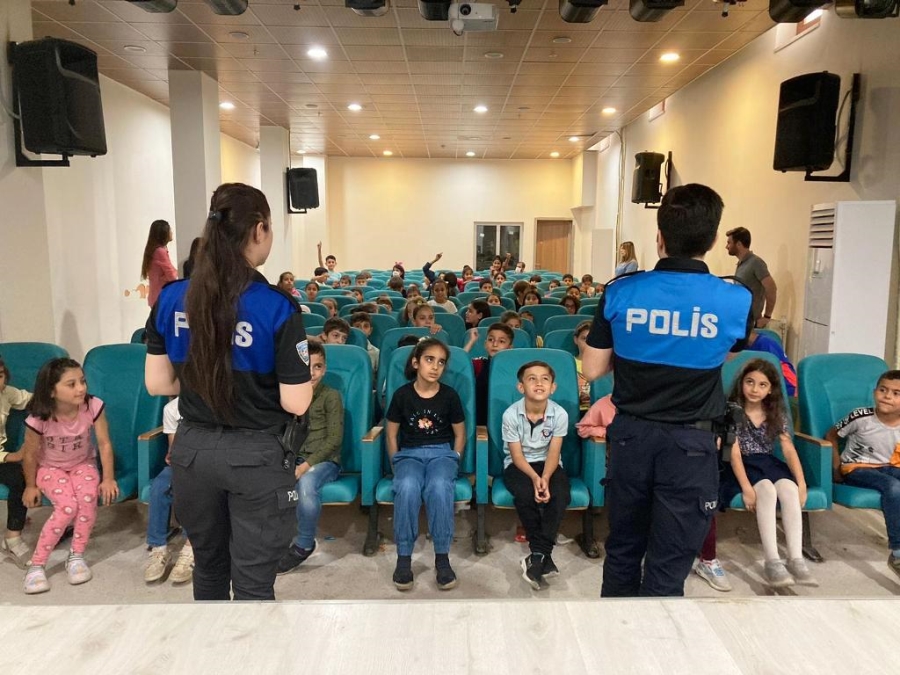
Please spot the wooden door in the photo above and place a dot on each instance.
(553, 247)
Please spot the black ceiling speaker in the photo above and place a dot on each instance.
(866, 9)
(58, 95)
(579, 11)
(652, 10)
(804, 137)
(792, 11)
(227, 7)
(303, 189)
(368, 7)
(155, 6)
(435, 10)
(645, 188)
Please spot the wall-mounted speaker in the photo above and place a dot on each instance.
(303, 188)
(58, 94)
(645, 188)
(804, 137)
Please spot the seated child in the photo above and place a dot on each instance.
(318, 462)
(11, 474)
(161, 499)
(345, 281)
(535, 279)
(571, 304)
(59, 451)
(493, 300)
(440, 297)
(871, 456)
(476, 311)
(511, 319)
(567, 279)
(486, 286)
(396, 284)
(412, 292)
(320, 276)
(574, 291)
(335, 332)
(363, 321)
(533, 431)
(384, 301)
(361, 280)
(312, 290)
(423, 317)
(532, 297)
(587, 285)
(286, 283)
(554, 283)
(332, 307)
(499, 337)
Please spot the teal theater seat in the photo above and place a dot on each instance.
(585, 468)
(543, 312)
(340, 300)
(830, 387)
(313, 323)
(317, 308)
(561, 339)
(24, 360)
(377, 479)
(455, 327)
(381, 324)
(814, 454)
(137, 337)
(560, 322)
(357, 338)
(115, 373)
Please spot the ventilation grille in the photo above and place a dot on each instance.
(821, 226)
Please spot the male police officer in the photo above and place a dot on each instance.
(667, 332)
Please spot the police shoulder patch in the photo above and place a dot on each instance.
(303, 351)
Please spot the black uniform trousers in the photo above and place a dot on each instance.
(12, 477)
(662, 491)
(234, 496)
(541, 521)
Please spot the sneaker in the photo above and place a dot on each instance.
(712, 573)
(184, 566)
(777, 575)
(36, 580)
(403, 577)
(16, 550)
(894, 564)
(294, 556)
(77, 569)
(532, 571)
(550, 569)
(563, 540)
(157, 563)
(520, 537)
(800, 571)
(446, 578)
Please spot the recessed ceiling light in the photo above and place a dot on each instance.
(554, 154)
(387, 153)
(669, 57)
(226, 105)
(493, 55)
(374, 137)
(470, 154)
(480, 108)
(239, 35)
(355, 107)
(317, 53)
(561, 40)
(574, 139)
(135, 49)
(301, 152)
(608, 111)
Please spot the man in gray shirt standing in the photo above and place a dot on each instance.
(753, 272)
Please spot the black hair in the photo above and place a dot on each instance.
(773, 404)
(536, 364)
(319, 271)
(688, 219)
(317, 348)
(330, 257)
(42, 404)
(360, 317)
(507, 315)
(451, 281)
(502, 328)
(335, 323)
(888, 375)
(571, 298)
(740, 235)
(421, 347)
(4, 370)
(157, 237)
(533, 292)
(481, 307)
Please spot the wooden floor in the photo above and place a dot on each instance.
(690, 636)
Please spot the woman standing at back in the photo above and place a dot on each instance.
(242, 370)
(627, 259)
(157, 267)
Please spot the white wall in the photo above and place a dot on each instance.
(384, 210)
(240, 162)
(721, 130)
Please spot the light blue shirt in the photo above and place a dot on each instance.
(535, 442)
(626, 267)
(334, 277)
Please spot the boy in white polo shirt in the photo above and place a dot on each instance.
(533, 430)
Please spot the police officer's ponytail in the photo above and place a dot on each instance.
(221, 273)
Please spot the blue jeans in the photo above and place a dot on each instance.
(309, 507)
(885, 479)
(161, 498)
(427, 472)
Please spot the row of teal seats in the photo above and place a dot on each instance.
(115, 374)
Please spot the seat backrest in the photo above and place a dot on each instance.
(587, 310)
(349, 370)
(471, 286)
(381, 324)
(389, 345)
(520, 341)
(313, 322)
(566, 322)
(459, 375)
(115, 373)
(832, 385)
(318, 308)
(340, 300)
(468, 296)
(502, 393)
(551, 299)
(137, 337)
(602, 386)
(542, 312)
(455, 327)
(373, 293)
(357, 338)
(24, 360)
(561, 339)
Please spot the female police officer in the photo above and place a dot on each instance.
(235, 350)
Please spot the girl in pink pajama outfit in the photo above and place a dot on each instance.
(60, 463)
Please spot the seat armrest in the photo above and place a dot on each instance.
(593, 462)
(815, 457)
(373, 434)
(372, 449)
(482, 447)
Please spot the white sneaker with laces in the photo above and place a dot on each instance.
(712, 573)
(157, 563)
(184, 566)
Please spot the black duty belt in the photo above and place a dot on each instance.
(276, 430)
(702, 425)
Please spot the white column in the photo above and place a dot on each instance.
(274, 160)
(196, 152)
(27, 279)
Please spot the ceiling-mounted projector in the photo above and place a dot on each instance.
(469, 17)
(368, 7)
